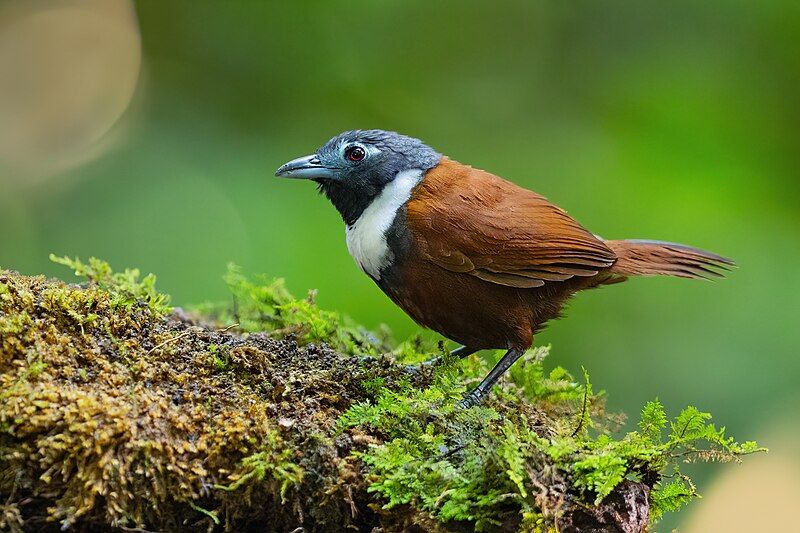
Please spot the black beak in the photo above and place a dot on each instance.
(308, 168)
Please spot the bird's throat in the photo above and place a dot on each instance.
(367, 236)
(350, 202)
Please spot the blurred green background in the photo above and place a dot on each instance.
(147, 134)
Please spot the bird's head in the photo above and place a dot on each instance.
(353, 167)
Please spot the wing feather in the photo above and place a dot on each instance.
(474, 222)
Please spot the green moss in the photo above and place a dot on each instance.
(125, 288)
(221, 361)
(274, 462)
(14, 324)
(268, 306)
(461, 464)
(76, 307)
(469, 465)
(115, 412)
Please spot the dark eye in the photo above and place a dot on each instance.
(355, 153)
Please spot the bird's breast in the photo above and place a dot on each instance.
(367, 237)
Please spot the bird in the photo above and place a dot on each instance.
(478, 259)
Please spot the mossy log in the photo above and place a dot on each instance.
(116, 415)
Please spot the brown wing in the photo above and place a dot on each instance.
(474, 222)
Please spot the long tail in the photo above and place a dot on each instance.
(658, 258)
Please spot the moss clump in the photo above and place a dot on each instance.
(115, 411)
(125, 288)
(531, 450)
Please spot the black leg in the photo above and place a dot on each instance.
(463, 351)
(477, 394)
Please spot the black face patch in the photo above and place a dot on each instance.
(348, 200)
(357, 181)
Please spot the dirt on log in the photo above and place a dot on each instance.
(117, 417)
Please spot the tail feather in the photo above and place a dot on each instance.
(658, 258)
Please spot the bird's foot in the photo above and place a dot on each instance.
(479, 393)
(449, 451)
(474, 397)
(430, 363)
(423, 366)
(461, 352)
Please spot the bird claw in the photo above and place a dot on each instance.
(472, 399)
(448, 451)
(414, 370)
